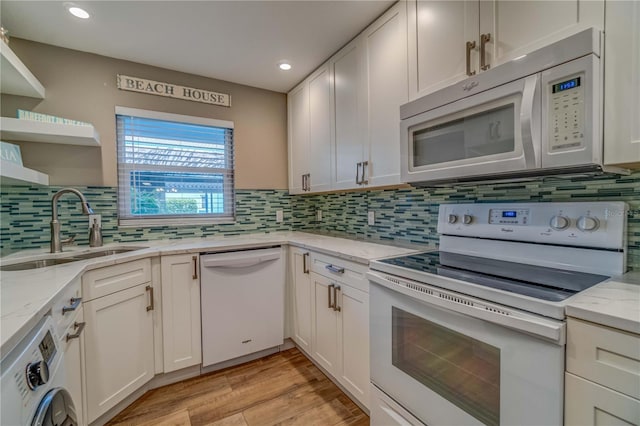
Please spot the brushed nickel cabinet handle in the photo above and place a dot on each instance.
(364, 181)
(305, 266)
(195, 267)
(336, 308)
(470, 46)
(75, 302)
(330, 287)
(80, 326)
(336, 269)
(358, 173)
(484, 39)
(149, 289)
(308, 181)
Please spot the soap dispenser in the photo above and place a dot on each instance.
(95, 235)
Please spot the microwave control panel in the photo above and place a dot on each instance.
(566, 120)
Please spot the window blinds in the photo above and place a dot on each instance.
(173, 170)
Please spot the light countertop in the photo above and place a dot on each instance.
(26, 296)
(614, 303)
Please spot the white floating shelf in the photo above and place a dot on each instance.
(14, 129)
(15, 174)
(15, 77)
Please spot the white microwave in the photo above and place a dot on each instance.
(536, 115)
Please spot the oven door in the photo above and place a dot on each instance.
(452, 367)
(493, 132)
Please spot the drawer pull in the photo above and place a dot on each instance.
(75, 302)
(80, 327)
(151, 305)
(336, 269)
(305, 265)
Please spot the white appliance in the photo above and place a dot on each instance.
(242, 296)
(539, 114)
(33, 381)
(475, 333)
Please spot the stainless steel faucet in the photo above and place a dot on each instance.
(56, 243)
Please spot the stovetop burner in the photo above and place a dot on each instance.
(543, 283)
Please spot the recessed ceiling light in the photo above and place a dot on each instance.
(78, 12)
(284, 66)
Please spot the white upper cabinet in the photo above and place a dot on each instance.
(451, 40)
(310, 134)
(386, 88)
(319, 151)
(348, 123)
(438, 35)
(298, 100)
(622, 84)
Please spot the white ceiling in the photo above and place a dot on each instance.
(238, 41)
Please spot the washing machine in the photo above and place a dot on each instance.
(33, 381)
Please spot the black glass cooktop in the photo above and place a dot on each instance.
(535, 281)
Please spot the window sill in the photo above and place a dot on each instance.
(191, 221)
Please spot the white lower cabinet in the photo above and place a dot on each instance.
(300, 297)
(72, 344)
(602, 381)
(118, 347)
(181, 336)
(340, 328)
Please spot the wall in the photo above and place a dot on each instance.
(82, 86)
(405, 216)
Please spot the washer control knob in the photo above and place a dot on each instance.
(37, 374)
(588, 223)
(452, 218)
(467, 219)
(559, 222)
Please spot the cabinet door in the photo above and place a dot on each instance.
(118, 348)
(180, 311)
(347, 115)
(589, 404)
(622, 84)
(324, 325)
(353, 325)
(298, 111)
(520, 27)
(73, 362)
(320, 130)
(438, 36)
(386, 88)
(301, 299)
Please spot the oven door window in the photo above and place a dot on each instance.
(459, 368)
(487, 133)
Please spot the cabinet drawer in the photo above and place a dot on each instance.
(589, 404)
(103, 281)
(604, 355)
(345, 271)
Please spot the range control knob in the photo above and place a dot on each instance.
(588, 223)
(37, 374)
(467, 219)
(559, 222)
(452, 218)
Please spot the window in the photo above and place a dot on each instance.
(173, 169)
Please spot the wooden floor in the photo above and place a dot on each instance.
(282, 389)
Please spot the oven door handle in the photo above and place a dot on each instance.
(547, 329)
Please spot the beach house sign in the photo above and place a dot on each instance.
(151, 87)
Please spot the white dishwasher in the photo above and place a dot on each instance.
(242, 297)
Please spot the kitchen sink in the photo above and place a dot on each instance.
(43, 263)
(34, 264)
(102, 253)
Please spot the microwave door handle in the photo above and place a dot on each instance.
(530, 121)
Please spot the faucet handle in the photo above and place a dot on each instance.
(69, 240)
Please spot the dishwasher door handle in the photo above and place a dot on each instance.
(239, 261)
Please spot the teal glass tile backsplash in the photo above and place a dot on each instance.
(403, 216)
(25, 214)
